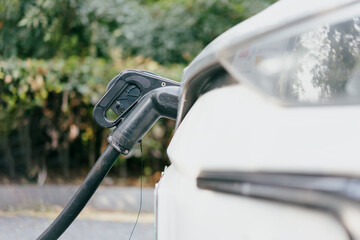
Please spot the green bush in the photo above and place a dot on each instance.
(166, 31)
(50, 102)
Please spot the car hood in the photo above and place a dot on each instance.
(278, 16)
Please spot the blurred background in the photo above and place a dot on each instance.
(56, 59)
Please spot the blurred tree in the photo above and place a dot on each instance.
(167, 31)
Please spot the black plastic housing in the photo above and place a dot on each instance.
(124, 91)
(161, 102)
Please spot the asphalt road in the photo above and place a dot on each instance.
(28, 226)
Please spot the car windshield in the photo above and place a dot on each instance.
(316, 66)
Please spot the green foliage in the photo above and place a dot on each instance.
(53, 100)
(25, 84)
(166, 31)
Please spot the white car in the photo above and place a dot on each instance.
(267, 144)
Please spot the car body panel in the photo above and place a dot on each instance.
(185, 212)
(234, 128)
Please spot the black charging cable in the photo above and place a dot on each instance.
(83, 194)
(161, 101)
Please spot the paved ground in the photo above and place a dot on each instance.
(26, 211)
(27, 226)
(105, 198)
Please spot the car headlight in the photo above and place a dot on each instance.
(315, 61)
